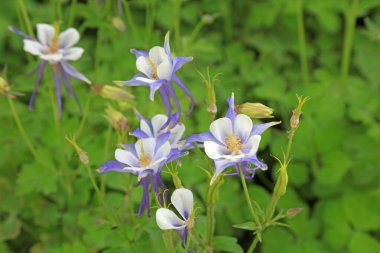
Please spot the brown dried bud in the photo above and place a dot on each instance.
(83, 157)
(295, 119)
(293, 212)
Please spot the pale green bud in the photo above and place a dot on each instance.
(282, 182)
(117, 120)
(255, 110)
(112, 92)
(118, 23)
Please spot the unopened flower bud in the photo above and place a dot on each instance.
(83, 157)
(211, 98)
(118, 23)
(4, 86)
(207, 19)
(295, 119)
(254, 110)
(112, 92)
(118, 121)
(282, 182)
(293, 212)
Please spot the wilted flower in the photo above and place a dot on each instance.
(183, 200)
(57, 49)
(158, 71)
(232, 141)
(145, 159)
(5, 87)
(117, 120)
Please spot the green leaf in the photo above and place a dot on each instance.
(246, 226)
(10, 228)
(226, 244)
(362, 242)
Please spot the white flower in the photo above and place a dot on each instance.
(155, 66)
(53, 46)
(182, 199)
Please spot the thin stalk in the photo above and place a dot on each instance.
(196, 31)
(72, 12)
(59, 9)
(168, 239)
(21, 129)
(302, 42)
(130, 21)
(25, 17)
(350, 20)
(248, 199)
(188, 241)
(211, 198)
(177, 23)
(84, 116)
(253, 245)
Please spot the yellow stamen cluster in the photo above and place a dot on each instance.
(154, 68)
(144, 160)
(233, 143)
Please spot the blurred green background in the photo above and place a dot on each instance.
(266, 53)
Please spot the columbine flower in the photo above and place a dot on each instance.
(144, 159)
(182, 199)
(158, 70)
(157, 126)
(233, 140)
(57, 49)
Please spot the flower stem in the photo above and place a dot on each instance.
(302, 42)
(72, 12)
(350, 19)
(130, 21)
(25, 17)
(212, 196)
(168, 239)
(177, 23)
(106, 148)
(84, 116)
(22, 130)
(253, 245)
(188, 240)
(246, 193)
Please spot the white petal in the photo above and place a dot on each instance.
(164, 70)
(220, 129)
(33, 47)
(72, 54)
(52, 58)
(157, 55)
(252, 145)
(144, 66)
(214, 150)
(68, 38)
(146, 128)
(147, 145)
(45, 33)
(177, 133)
(157, 122)
(243, 126)
(126, 157)
(183, 200)
(163, 151)
(145, 80)
(167, 219)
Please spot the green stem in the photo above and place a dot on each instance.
(196, 31)
(302, 42)
(25, 17)
(188, 241)
(177, 23)
(106, 149)
(72, 12)
(350, 19)
(253, 245)
(22, 130)
(59, 9)
(168, 239)
(211, 198)
(130, 21)
(246, 193)
(84, 116)
(94, 184)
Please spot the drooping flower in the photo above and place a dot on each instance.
(145, 159)
(57, 49)
(158, 72)
(183, 200)
(233, 141)
(157, 126)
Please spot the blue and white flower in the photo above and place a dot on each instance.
(183, 200)
(232, 141)
(145, 159)
(57, 49)
(158, 70)
(158, 126)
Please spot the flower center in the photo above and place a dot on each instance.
(54, 44)
(144, 160)
(154, 68)
(233, 143)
